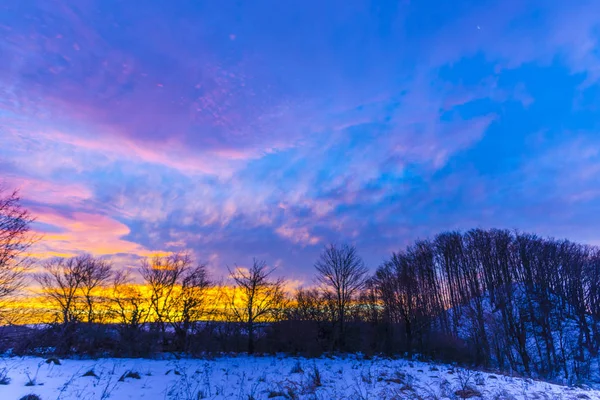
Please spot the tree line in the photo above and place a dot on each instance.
(509, 300)
(492, 298)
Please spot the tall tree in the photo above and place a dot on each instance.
(161, 274)
(177, 292)
(130, 308)
(191, 301)
(95, 276)
(256, 297)
(341, 273)
(15, 239)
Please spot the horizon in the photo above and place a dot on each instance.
(268, 130)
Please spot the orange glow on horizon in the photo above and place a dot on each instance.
(38, 308)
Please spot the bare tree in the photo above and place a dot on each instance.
(309, 305)
(255, 298)
(131, 308)
(61, 283)
(15, 239)
(190, 302)
(342, 274)
(177, 292)
(161, 274)
(95, 276)
(73, 285)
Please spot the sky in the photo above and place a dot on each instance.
(269, 129)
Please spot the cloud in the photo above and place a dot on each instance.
(514, 33)
(131, 132)
(84, 233)
(299, 235)
(40, 191)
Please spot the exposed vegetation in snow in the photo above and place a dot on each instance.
(270, 377)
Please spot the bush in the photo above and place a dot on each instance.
(129, 374)
(467, 393)
(30, 397)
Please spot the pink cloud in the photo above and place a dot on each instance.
(48, 192)
(297, 234)
(172, 155)
(85, 233)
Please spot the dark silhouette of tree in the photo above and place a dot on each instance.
(309, 305)
(177, 292)
(95, 275)
(341, 274)
(73, 285)
(191, 302)
(15, 239)
(494, 298)
(255, 298)
(61, 281)
(507, 299)
(130, 308)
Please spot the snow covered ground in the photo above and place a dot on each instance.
(262, 378)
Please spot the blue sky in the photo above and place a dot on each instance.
(271, 128)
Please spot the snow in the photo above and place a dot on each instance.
(244, 377)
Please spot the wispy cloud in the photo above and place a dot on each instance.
(79, 233)
(270, 130)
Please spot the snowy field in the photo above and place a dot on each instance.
(250, 378)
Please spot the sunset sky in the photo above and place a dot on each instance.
(271, 128)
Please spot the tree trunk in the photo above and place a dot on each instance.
(250, 338)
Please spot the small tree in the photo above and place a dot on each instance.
(341, 274)
(256, 297)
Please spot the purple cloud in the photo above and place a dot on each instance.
(269, 130)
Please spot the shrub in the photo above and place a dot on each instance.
(90, 373)
(130, 374)
(30, 381)
(464, 378)
(467, 393)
